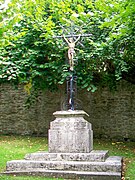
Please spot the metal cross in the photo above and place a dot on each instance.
(71, 38)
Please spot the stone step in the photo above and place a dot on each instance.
(69, 174)
(112, 164)
(95, 155)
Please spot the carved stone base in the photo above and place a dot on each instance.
(70, 133)
(71, 154)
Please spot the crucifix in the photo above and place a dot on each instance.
(71, 51)
(72, 38)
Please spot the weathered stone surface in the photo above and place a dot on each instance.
(70, 174)
(70, 153)
(70, 133)
(96, 155)
(108, 112)
(107, 166)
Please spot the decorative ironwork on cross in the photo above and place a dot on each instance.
(72, 35)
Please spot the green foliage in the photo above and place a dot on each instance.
(30, 54)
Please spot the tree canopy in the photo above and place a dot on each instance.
(30, 54)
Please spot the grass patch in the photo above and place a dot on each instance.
(25, 178)
(124, 149)
(16, 147)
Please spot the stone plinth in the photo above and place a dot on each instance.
(93, 156)
(96, 165)
(71, 154)
(70, 133)
(110, 165)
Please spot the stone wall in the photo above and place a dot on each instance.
(111, 114)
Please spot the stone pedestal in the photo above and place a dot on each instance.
(70, 133)
(71, 154)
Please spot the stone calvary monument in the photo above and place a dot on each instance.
(71, 154)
